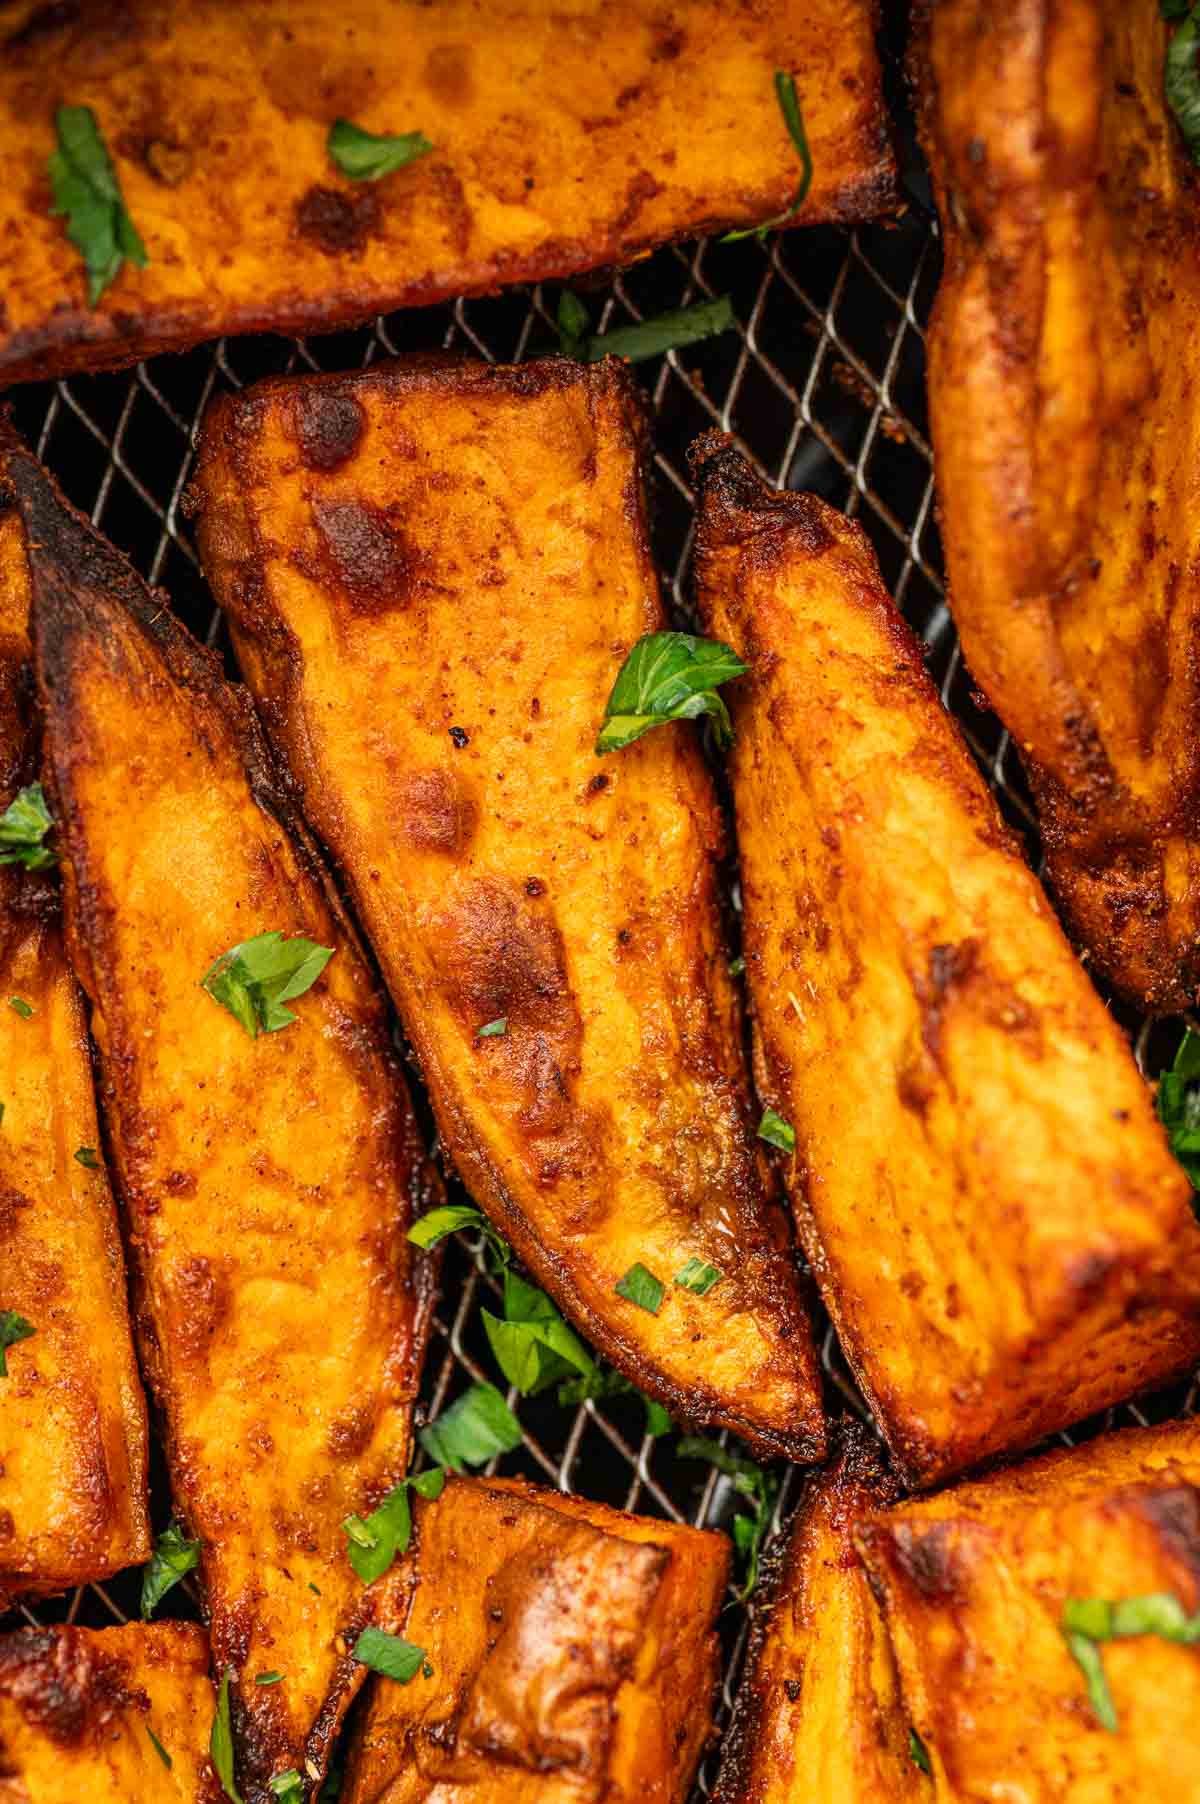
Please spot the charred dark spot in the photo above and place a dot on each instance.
(435, 814)
(328, 427)
(64, 1684)
(11, 1203)
(926, 1556)
(598, 783)
(792, 1687)
(180, 1183)
(668, 44)
(338, 224)
(460, 737)
(202, 1297)
(950, 967)
(369, 557)
(534, 886)
(350, 1433)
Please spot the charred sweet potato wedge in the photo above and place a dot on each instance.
(1001, 1234)
(106, 1716)
(268, 1179)
(1066, 425)
(571, 1650)
(974, 1583)
(73, 1501)
(561, 142)
(433, 574)
(819, 1718)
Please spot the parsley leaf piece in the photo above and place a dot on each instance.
(533, 1346)
(573, 325)
(757, 1487)
(19, 1006)
(640, 1286)
(288, 1787)
(87, 194)
(475, 1428)
(737, 966)
(254, 979)
(604, 1382)
(157, 1745)
(493, 1029)
(268, 1678)
(23, 829)
(220, 1742)
(437, 1223)
(668, 676)
(365, 156)
(389, 1654)
(777, 1132)
(173, 1558)
(789, 106)
(918, 1753)
(1178, 1105)
(646, 338)
(86, 1156)
(13, 1328)
(376, 1540)
(1088, 1621)
(1182, 79)
(698, 1277)
(658, 1422)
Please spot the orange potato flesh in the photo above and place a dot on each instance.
(268, 1181)
(565, 139)
(434, 572)
(989, 1204)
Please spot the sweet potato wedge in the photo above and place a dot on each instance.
(73, 1501)
(819, 1718)
(268, 1180)
(561, 142)
(106, 1715)
(1067, 430)
(1000, 1232)
(433, 572)
(974, 1583)
(572, 1655)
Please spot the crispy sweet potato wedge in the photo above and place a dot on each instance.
(562, 141)
(73, 1503)
(572, 1651)
(82, 1709)
(267, 1179)
(1000, 1232)
(974, 1582)
(1065, 420)
(434, 571)
(819, 1719)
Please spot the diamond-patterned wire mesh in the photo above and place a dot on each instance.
(823, 385)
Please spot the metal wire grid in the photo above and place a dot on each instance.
(823, 386)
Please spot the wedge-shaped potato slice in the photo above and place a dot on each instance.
(106, 1716)
(559, 142)
(73, 1503)
(1067, 429)
(434, 573)
(267, 1179)
(974, 1584)
(819, 1718)
(571, 1650)
(1000, 1232)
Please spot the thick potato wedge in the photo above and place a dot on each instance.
(563, 139)
(572, 1650)
(1067, 430)
(819, 1719)
(974, 1582)
(434, 572)
(267, 1180)
(999, 1230)
(82, 1709)
(73, 1502)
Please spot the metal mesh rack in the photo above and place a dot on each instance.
(823, 385)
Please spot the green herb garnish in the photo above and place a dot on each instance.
(220, 1742)
(268, 1678)
(13, 1328)
(918, 1752)
(254, 980)
(1179, 1105)
(157, 1745)
(641, 1287)
(88, 195)
(777, 1132)
(288, 1787)
(737, 966)
(19, 1006)
(365, 156)
(437, 1223)
(698, 1277)
(533, 1346)
(173, 1558)
(23, 829)
(474, 1429)
(1182, 79)
(493, 1029)
(604, 1382)
(647, 338)
(87, 1156)
(389, 1655)
(789, 106)
(668, 676)
(757, 1487)
(376, 1540)
(1088, 1621)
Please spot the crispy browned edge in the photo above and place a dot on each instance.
(67, 552)
(231, 426)
(856, 1468)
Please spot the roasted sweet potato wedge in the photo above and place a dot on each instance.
(819, 1719)
(1067, 430)
(571, 1651)
(268, 1179)
(434, 572)
(561, 142)
(1000, 1232)
(73, 1503)
(106, 1715)
(974, 1583)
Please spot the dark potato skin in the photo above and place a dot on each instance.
(268, 1182)
(73, 1502)
(1067, 431)
(573, 1652)
(434, 572)
(999, 1230)
(973, 1583)
(76, 1706)
(563, 142)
